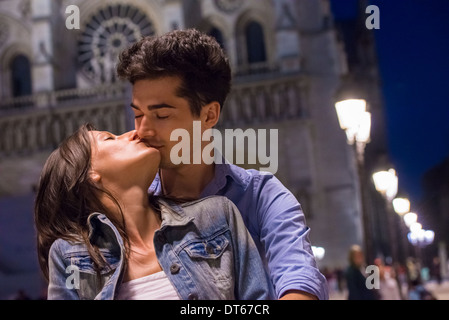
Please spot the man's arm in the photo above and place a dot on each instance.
(285, 238)
(298, 295)
(251, 282)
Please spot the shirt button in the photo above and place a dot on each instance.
(174, 268)
(193, 296)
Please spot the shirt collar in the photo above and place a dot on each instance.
(223, 169)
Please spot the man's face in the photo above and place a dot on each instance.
(158, 112)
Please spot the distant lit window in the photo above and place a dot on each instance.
(21, 76)
(255, 43)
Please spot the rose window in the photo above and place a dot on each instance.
(107, 33)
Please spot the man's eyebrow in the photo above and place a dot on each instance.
(154, 106)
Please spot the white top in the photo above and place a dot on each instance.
(152, 287)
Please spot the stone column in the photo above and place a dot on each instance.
(42, 48)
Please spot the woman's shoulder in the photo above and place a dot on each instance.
(63, 246)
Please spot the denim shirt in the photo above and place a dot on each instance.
(202, 246)
(276, 223)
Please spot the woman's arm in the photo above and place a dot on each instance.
(63, 279)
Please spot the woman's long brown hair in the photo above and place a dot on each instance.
(66, 196)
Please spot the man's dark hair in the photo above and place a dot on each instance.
(196, 58)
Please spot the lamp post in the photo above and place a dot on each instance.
(420, 238)
(356, 122)
(402, 207)
(386, 183)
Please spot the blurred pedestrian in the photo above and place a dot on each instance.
(388, 286)
(355, 279)
(435, 271)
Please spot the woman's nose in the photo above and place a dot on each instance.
(130, 136)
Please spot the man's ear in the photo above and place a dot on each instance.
(95, 176)
(210, 114)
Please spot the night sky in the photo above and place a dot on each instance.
(413, 53)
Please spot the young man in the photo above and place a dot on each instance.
(183, 77)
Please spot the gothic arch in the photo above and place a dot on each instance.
(210, 23)
(227, 30)
(258, 18)
(16, 41)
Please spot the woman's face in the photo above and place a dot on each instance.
(124, 160)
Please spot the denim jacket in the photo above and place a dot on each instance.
(203, 247)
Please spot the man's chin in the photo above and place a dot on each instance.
(167, 165)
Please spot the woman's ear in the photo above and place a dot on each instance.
(95, 176)
(210, 114)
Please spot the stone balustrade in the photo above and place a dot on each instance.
(40, 122)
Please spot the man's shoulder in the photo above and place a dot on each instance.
(253, 177)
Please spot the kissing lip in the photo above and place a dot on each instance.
(150, 145)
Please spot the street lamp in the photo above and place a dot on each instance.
(421, 238)
(410, 218)
(401, 206)
(356, 122)
(318, 252)
(386, 182)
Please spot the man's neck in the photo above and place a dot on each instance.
(186, 182)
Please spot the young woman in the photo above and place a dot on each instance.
(101, 236)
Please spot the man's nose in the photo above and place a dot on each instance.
(145, 128)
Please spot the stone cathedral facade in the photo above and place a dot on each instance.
(287, 61)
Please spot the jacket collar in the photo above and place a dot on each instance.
(172, 215)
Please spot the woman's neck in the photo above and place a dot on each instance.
(141, 219)
(141, 223)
